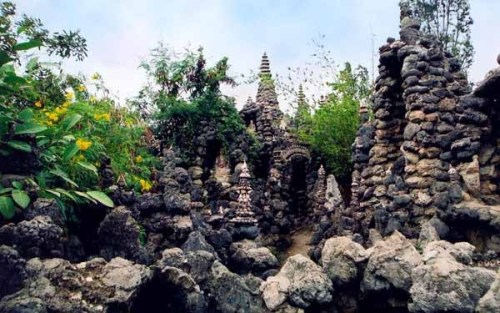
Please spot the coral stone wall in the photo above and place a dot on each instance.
(427, 125)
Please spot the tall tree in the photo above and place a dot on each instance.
(450, 21)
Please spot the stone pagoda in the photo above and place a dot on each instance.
(244, 213)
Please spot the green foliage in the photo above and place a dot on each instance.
(449, 21)
(183, 96)
(56, 120)
(331, 129)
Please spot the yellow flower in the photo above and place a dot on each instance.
(138, 159)
(61, 110)
(145, 185)
(66, 104)
(81, 88)
(52, 116)
(93, 99)
(69, 95)
(38, 104)
(83, 144)
(95, 76)
(103, 117)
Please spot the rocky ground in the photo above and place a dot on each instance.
(202, 269)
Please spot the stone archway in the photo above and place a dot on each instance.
(296, 169)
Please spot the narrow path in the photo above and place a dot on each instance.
(300, 242)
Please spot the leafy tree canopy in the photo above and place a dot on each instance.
(450, 22)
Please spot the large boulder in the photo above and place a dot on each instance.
(38, 237)
(247, 256)
(443, 284)
(196, 242)
(390, 264)
(94, 286)
(387, 278)
(341, 258)
(490, 302)
(301, 281)
(231, 293)
(195, 263)
(120, 236)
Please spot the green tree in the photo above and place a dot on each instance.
(331, 129)
(450, 22)
(183, 95)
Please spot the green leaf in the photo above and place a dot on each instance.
(27, 45)
(19, 145)
(65, 193)
(21, 198)
(5, 190)
(59, 173)
(88, 166)
(86, 196)
(29, 129)
(26, 115)
(53, 192)
(71, 120)
(7, 207)
(32, 64)
(15, 80)
(101, 197)
(17, 185)
(70, 152)
(5, 58)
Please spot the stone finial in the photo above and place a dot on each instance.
(245, 173)
(321, 171)
(265, 68)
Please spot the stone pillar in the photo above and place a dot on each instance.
(320, 193)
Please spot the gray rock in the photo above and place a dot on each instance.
(490, 302)
(196, 241)
(340, 259)
(12, 271)
(301, 281)
(119, 236)
(231, 293)
(45, 207)
(38, 237)
(94, 286)
(248, 257)
(443, 284)
(427, 234)
(390, 264)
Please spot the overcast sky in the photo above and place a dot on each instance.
(121, 32)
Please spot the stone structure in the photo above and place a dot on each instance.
(320, 192)
(432, 147)
(285, 165)
(244, 212)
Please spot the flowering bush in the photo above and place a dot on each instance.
(64, 124)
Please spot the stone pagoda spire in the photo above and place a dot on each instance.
(244, 213)
(320, 192)
(266, 93)
(265, 68)
(301, 97)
